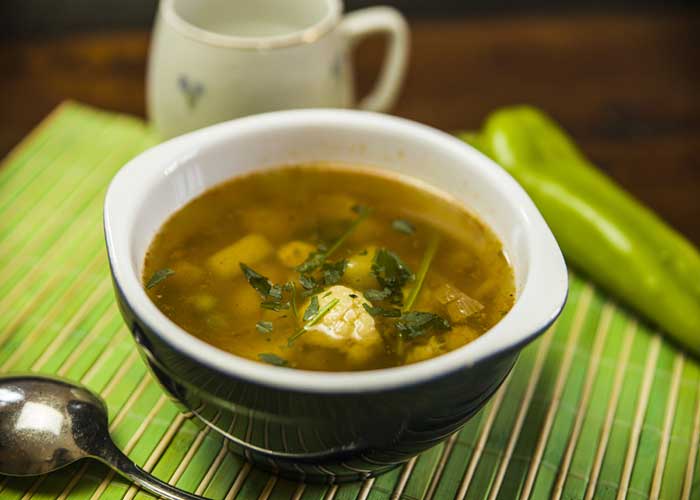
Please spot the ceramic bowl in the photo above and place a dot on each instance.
(329, 426)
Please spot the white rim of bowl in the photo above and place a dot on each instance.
(306, 35)
(547, 275)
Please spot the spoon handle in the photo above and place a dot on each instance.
(112, 456)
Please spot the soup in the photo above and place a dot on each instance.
(329, 267)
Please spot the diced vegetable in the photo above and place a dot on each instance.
(458, 336)
(358, 272)
(459, 305)
(294, 253)
(460, 309)
(425, 351)
(204, 302)
(249, 249)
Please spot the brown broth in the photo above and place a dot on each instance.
(313, 204)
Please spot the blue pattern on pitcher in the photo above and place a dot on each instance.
(192, 90)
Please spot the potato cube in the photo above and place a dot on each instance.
(294, 253)
(249, 250)
(459, 336)
(358, 272)
(203, 302)
(425, 351)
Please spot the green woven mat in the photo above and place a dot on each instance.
(599, 407)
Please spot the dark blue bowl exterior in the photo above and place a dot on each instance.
(321, 437)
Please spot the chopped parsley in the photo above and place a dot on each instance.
(423, 270)
(259, 282)
(312, 262)
(312, 310)
(158, 276)
(377, 295)
(392, 274)
(333, 272)
(264, 327)
(273, 359)
(403, 226)
(308, 282)
(361, 209)
(272, 295)
(275, 292)
(292, 289)
(316, 259)
(274, 306)
(386, 312)
(313, 320)
(415, 323)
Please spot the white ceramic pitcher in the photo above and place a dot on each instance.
(214, 60)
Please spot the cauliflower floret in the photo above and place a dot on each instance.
(347, 327)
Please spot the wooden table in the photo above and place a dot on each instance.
(626, 86)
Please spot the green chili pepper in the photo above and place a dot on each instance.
(601, 229)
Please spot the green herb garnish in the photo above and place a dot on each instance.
(377, 295)
(273, 359)
(403, 226)
(415, 323)
(391, 273)
(312, 310)
(292, 289)
(272, 294)
(422, 271)
(312, 262)
(390, 270)
(363, 212)
(333, 272)
(159, 276)
(316, 259)
(273, 305)
(361, 209)
(311, 322)
(264, 327)
(275, 292)
(308, 282)
(259, 282)
(386, 312)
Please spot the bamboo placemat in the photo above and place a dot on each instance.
(599, 407)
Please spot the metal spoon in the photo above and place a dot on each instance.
(47, 423)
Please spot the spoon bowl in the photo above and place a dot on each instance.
(47, 423)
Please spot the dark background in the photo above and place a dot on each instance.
(29, 18)
(622, 77)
